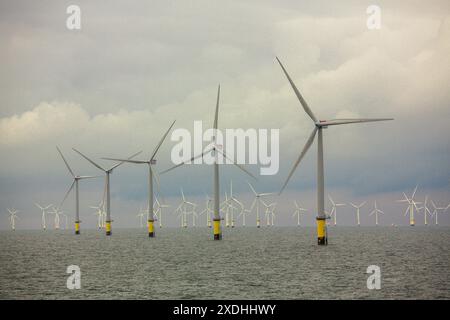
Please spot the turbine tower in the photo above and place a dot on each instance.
(151, 161)
(215, 150)
(376, 211)
(358, 207)
(237, 202)
(257, 201)
(411, 206)
(334, 208)
(158, 212)
(107, 179)
(298, 212)
(76, 178)
(318, 126)
(44, 211)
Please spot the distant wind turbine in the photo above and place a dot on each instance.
(334, 208)
(376, 211)
(44, 211)
(151, 161)
(108, 195)
(298, 212)
(358, 207)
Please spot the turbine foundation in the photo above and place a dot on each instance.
(217, 231)
(321, 232)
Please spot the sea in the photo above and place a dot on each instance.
(249, 263)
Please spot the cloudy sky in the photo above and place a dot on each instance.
(113, 87)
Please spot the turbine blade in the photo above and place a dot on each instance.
(67, 193)
(216, 115)
(67, 165)
(120, 163)
(161, 141)
(298, 94)
(183, 163)
(349, 121)
(92, 162)
(126, 160)
(302, 154)
(237, 165)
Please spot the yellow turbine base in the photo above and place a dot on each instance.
(321, 231)
(108, 228)
(217, 231)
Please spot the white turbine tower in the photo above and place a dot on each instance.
(318, 126)
(412, 205)
(12, 218)
(151, 161)
(108, 194)
(334, 208)
(298, 212)
(376, 211)
(358, 207)
(436, 210)
(257, 200)
(215, 149)
(76, 178)
(44, 211)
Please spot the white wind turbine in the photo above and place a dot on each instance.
(358, 207)
(215, 149)
(237, 202)
(57, 213)
(44, 211)
(436, 211)
(76, 178)
(269, 212)
(158, 212)
(151, 161)
(298, 212)
(318, 126)
(12, 218)
(426, 211)
(334, 208)
(107, 179)
(182, 209)
(412, 205)
(65, 219)
(257, 200)
(141, 215)
(376, 211)
(207, 211)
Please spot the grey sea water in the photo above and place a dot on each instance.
(250, 263)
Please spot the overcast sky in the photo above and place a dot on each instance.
(113, 87)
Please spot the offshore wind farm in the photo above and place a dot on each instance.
(195, 163)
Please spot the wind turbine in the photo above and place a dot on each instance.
(376, 211)
(76, 178)
(237, 202)
(65, 219)
(99, 214)
(318, 126)
(257, 201)
(182, 209)
(411, 206)
(159, 206)
(56, 212)
(334, 208)
(436, 211)
(426, 211)
(358, 207)
(298, 211)
(207, 211)
(140, 215)
(44, 211)
(215, 150)
(12, 218)
(151, 161)
(108, 195)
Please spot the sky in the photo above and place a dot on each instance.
(113, 87)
